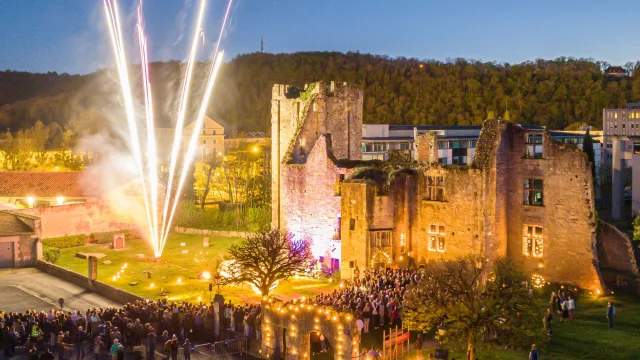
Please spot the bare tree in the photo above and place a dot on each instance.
(266, 257)
(203, 181)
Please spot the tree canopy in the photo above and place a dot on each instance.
(554, 93)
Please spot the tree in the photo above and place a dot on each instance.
(587, 147)
(473, 303)
(203, 175)
(39, 136)
(269, 256)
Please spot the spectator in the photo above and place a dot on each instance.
(533, 354)
(611, 313)
(114, 350)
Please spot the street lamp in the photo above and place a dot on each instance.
(255, 149)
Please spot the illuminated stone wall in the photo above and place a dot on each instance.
(311, 135)
(298, 321)
(482, 210)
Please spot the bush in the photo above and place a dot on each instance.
(258, 219)
(64, 242)
(107, 237)
(51, 254)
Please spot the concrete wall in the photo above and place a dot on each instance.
(79, 219)
(111, 293)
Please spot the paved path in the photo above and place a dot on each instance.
(29, 288)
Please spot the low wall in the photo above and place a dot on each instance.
(183, 230)
(617, 260)
(86, 218)
(108, 291)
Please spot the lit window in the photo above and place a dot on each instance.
(533, 192)
(204, 142)
(352, 224)
(534, 146)
(435, 188)
(532, 241)
(436, 238)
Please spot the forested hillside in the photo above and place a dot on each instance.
(555, 93)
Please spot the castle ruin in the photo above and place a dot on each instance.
(524, 196)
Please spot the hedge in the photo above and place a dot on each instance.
(191, 216)
(64, 242)
(51, 254)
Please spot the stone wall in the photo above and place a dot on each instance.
(205, 232)
(111, 293)
(310, 198)
(25, 249)
(298, 124)
(482, 211)
(82, 218)
(427, 147)
(617, 260)
(567, 216)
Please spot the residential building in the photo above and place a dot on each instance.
(210, 140)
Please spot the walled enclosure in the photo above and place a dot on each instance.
(480, 210)
(295, 321)
(84, 218)
(312, 136)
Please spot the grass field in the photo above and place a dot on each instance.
(176, 265)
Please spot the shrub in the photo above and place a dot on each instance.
(67, 241)
(51, 254)
(107, 237)
(258, 219)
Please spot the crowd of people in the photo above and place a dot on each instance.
(143, 329)
(373, 296)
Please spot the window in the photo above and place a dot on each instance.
(459, 156)
(443, 160)
(204, 142)
(352, 224)
(532, 242)
(380, 238)
(435, 188)
(534, 146)
(533, 192)
(436, 238)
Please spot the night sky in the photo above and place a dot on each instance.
(70, 35)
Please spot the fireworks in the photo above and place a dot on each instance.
(159, 225)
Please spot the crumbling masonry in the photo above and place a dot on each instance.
(524, 197)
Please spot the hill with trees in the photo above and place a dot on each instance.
(555, 93)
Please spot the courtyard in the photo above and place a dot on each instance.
(176, 275)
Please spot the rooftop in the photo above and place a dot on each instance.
(10, 224)
(46, 184)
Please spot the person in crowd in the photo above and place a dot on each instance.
(174, 347)
(533, 354)
(572, 307)
(611, 313)
(114, 349)
(547, 322)
(186, 349)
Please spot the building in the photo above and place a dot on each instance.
(621, 152)
(521, 194)
(25, 189)
(456, 144)
(615, 72)
(19, 240)
(210, 141)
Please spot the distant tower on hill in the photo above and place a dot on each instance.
(261, 45)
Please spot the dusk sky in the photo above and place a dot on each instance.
(70, 35)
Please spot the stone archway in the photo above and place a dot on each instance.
(380, 259)
(286, 328)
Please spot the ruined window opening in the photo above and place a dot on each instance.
(534, 146)
(435, 188)
(436, 238)
(352, 224)
(532, 241)
(380, 238)
(339, 181)
(533, 192)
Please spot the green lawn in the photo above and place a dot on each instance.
(176, 265)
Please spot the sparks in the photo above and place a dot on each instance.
(159, 225)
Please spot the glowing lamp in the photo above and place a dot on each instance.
(60, 200)
(199, 298)
(31, 200)
(125, 265)
(114, 278)
(152, 285)
(256, 149)
(179, 280)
